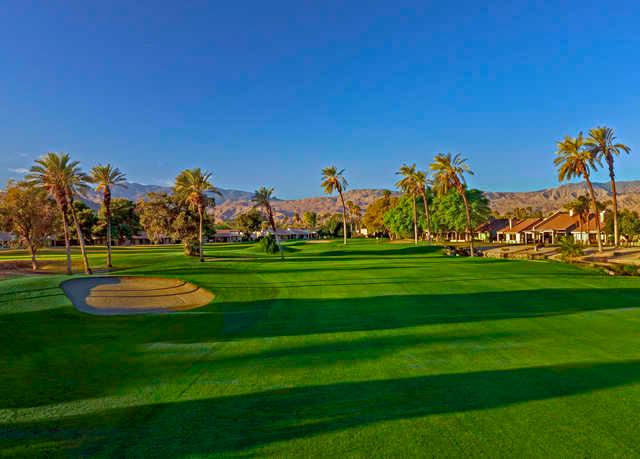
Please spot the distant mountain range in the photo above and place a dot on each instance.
(234, 202)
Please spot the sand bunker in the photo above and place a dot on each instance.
(134, 295)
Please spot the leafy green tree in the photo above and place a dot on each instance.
(27, 211)
(449, 210)
(106, 177)
(310, 219)
(249, 221)
(332, 226)
(192, 186)
(86, 218)
(450, 174)
(124, 218)
(401, 219)
(333, 180)
(574, 159)
(375, 212)
(628, 224)
(155, 212)
(601, 143)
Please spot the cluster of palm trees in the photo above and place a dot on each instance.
(576, 157)
(580, 156)
(448, 173)
(63, 180)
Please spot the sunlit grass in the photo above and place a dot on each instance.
(373, 349)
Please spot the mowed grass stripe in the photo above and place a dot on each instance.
(387, 349)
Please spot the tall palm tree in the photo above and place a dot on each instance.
(48, 174)
(106, 177)
(573, 159)
(262, 198)
(449, 173)
(423, 182)
(191, 187)
(601, 142)
(62, 178)
(408, 184)
(333, 180)
(77, 184)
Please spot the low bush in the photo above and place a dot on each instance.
(570, 249)
(268, 244)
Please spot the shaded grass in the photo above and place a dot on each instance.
(373, 349)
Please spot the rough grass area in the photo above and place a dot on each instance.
(374, 350)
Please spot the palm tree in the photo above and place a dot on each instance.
(408, 184)
(422, 181)
(357, 215)
(62, 178)
(333, 180)
(350, 207)
(47, 173)
(77, 184)
(107, 177)
(449, 173)
(262, 197)
(580, 207)
(191, 187)
(573, 159)
(601, 144)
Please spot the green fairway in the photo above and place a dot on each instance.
(373, 350)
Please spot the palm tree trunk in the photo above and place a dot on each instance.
(83, 250)
(594, 203)
(427, 214)
(344, 217)
(415, 222)
(201, 249)
(614, 193)
(272, 221)
(107, 211)
(468, 213)
(65, 226)
(581, 232)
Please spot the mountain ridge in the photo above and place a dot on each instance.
(232, 202)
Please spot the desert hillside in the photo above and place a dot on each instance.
(234, 202)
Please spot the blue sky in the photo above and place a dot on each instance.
(270, 92)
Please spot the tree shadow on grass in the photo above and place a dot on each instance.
(240, 423)
(388, 251)
(64, 355)
(319, 315)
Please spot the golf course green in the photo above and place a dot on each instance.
(375, 349)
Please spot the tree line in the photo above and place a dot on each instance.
(433, 201)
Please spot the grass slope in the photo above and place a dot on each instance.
(371, 350)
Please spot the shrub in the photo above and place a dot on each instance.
(570, 249)
(268, 244)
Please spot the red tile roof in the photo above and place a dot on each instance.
(498, 224)
(560, 221)
(523, 225)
